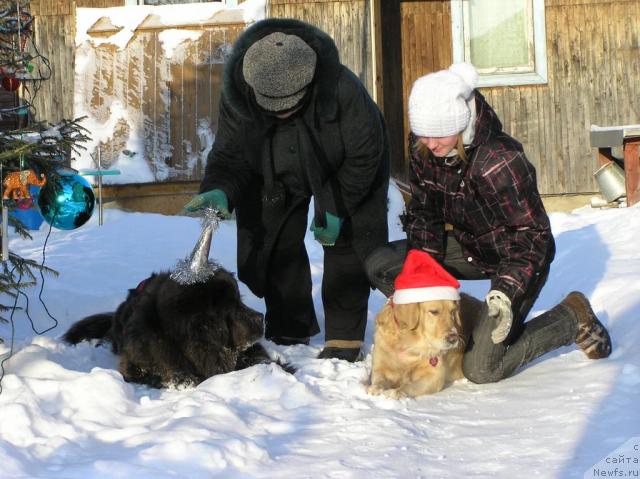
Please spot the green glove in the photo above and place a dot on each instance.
(328, 235)
(216, 199)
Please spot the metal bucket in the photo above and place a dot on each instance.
(610, 178)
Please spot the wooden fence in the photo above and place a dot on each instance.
(171, 102)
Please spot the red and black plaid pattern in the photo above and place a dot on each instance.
(492, 201)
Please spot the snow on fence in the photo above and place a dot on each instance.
(149, 79)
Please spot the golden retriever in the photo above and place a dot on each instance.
(418, 347)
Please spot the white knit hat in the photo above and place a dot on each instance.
(423, 279)
(438, 103)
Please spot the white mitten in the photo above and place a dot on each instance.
(499, 307)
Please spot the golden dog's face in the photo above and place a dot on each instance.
(425, 327)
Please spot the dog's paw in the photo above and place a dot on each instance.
(374, 389)
(394, 394)
(379, 390)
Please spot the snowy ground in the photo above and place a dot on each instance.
(65, 412)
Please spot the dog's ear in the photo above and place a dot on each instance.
(407, 316)
(385, 315)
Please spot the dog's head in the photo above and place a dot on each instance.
(209, 312)
(422, 328)
(244, 326)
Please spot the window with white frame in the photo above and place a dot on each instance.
(504, 39)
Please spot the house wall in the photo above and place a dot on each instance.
(425, 33)
(594, 71)
(593, 67)
(348, 22)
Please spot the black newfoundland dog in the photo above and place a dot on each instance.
(169, 334)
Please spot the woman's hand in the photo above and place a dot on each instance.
(328, 235)
(215, 199)
(499, 307)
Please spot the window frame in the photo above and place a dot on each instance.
(537, 77)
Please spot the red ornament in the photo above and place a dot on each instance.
(24, 203)
(10, 83)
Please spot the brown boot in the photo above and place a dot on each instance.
(592, 337)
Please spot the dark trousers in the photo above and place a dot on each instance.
(288, 294)
(485, 361)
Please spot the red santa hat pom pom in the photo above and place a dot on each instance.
(423, 279)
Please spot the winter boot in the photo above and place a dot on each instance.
(592, 337)
(342, 349)
(289, 340)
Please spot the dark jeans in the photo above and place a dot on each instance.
(485, 361)
(288, 294)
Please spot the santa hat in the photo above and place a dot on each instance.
(423, 279)
(439, 102)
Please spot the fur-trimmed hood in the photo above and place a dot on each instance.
(238, 93)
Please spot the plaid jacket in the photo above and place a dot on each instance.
(492, 201)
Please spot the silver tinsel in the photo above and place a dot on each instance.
(197, 268)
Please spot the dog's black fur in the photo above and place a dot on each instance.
(169, 334)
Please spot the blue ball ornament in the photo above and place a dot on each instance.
(66, 202)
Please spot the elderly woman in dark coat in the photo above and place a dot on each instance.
(476, 209)
(296, 124)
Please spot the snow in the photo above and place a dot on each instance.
(620, 127)
(65, 412)
(128, 19)
(173, 38)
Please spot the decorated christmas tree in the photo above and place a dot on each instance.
(34, 156)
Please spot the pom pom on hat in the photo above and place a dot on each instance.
(467, 72)
(438, 101)
(423, 279)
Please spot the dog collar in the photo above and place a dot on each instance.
(433, 360)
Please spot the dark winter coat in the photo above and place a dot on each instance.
(343, 149)
(492, 201)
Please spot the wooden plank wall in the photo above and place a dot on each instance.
(167, 100)
(99, 3)
(594, 72)
(426, 47)
(348, 22)
(51, 7)
(54, 33)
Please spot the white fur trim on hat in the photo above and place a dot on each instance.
(418, 295)
(438, 101)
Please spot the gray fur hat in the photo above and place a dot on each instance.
(279, 68)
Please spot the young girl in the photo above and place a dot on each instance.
(476, 209)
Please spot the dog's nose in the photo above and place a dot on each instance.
(452, 338)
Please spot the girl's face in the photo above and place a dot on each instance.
(439, 146)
